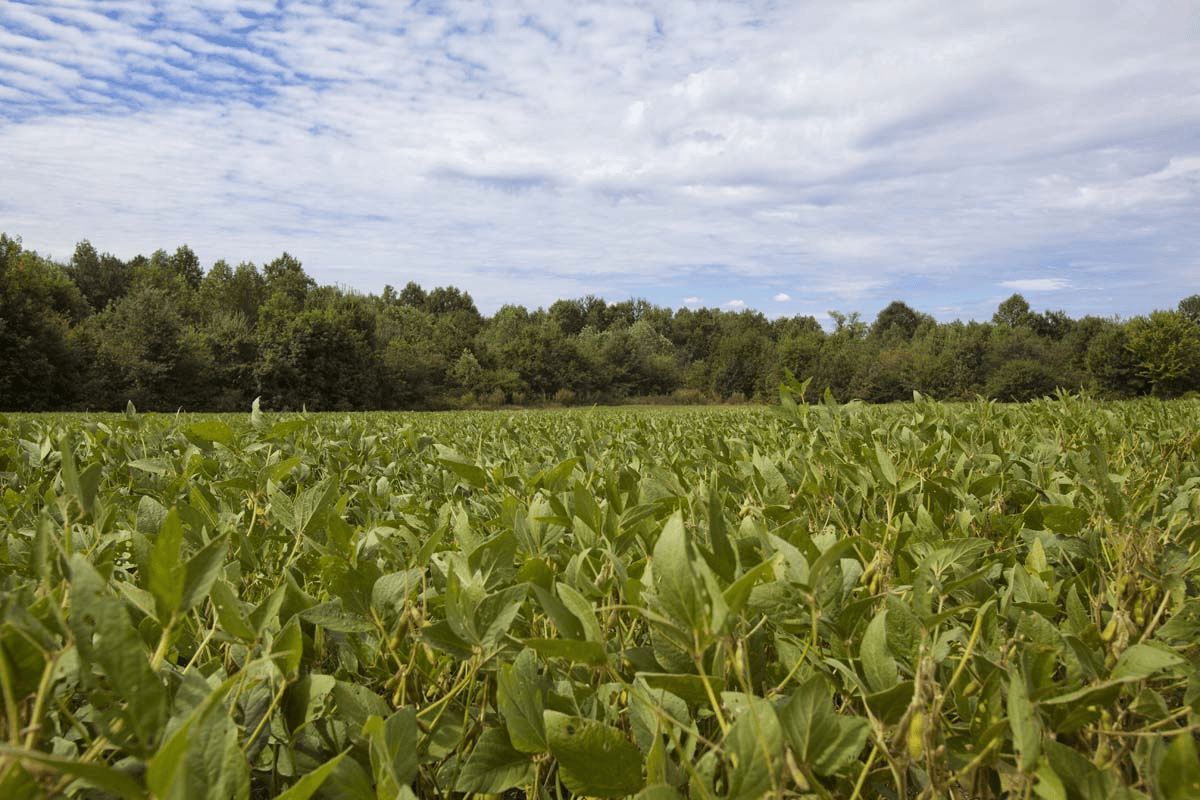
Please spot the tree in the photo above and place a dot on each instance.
(286, 276)
(1020, 380)
(321, 360)
(448, 300)
(38, 303)
(187, 266)
(232, 351)
(898, 320)
(413, 296)
(102, 279)
(741, 363)
(569, 315)
(1166, 348)
(150, 354)
(1013, 312)
(243, 290)
(1111, 364)
(1189, 307)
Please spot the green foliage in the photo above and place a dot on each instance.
(99, 332)
(919, 600)
(1166, 348)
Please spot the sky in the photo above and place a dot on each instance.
(791, 157)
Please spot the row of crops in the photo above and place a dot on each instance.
(927, 600)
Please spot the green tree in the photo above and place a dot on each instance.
(1189, 307)
(742, 361)
(569, 315)
(225, 289)
(897, 321)
(1111, 364)
(1019, 380)
(413, 296)
(1013, 312)
(322, 359)
(150, 354)
(286, 276)
(38, 303)
(1166, 348)
(102, 279)
(229, 381)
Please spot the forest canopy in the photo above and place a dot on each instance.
(98, 332)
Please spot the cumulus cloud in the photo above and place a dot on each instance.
(860, 153)
(781, 298)
(734, 304)
(691, 301)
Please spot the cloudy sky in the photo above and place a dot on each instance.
(792, 156)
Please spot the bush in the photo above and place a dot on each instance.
(1020, 380)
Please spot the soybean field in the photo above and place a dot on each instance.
(822, 601)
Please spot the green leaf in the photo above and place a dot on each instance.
(202, 757)
(332, 616)
(1022, 718)
(1065, 520)
(82, 486)
(689, 687)
(472, 473)
(593, 758)
(287, 651)
(155, 466)
(230, 612)
(754, 749)
(310, 507)
(1079, 777)
(824, 740)
(391, 592)
(1143, 660)
(165, 579)
(718, 534)
(583, 610)
(497, 612)
(879, 667)
(1179, 773)
(739, 591)
(569, 625)
(132, 696)
(98, 775)
(207, 431)
(570, 649)
(494, 765)
(201, 572)
(304, 788)
(520, 702)
(684, 585)
(393, 748)
(675, 582)
(886, 467)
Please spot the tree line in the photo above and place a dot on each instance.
(98, 331)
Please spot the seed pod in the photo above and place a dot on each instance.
(1110, 629)
(916, 735)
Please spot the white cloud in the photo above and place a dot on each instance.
(858, 152)
(781, 298)
(734, 304)
(1038, 284)
(691, 301)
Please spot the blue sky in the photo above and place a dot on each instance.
(792, 157)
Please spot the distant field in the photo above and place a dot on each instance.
(972, 600)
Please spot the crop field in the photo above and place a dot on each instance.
(917, 600)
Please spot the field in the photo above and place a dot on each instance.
(919, 600)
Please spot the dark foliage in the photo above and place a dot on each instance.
(97, 332)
